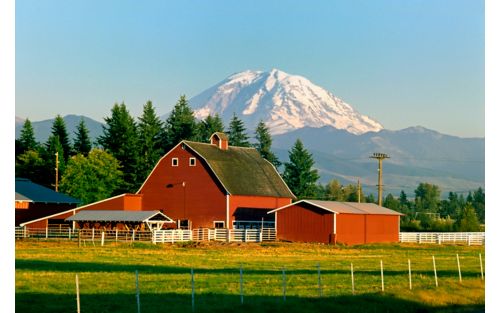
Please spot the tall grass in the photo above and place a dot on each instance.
(45, 277)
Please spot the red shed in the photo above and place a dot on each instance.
(332, 222)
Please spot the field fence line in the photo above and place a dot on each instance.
(470, 238)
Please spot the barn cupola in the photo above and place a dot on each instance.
(220, 140)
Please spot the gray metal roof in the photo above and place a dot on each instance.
(119, 216)
(39, 193)
(346, 207)
(21, 198)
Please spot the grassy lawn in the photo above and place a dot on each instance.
(45, 278)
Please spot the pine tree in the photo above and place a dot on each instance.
(59, 131)
(180, 124)
(208, 126)
(27, 138)
(150, 131)
(264, 142)
(120, 139)
(299, 174)
(82, 142)
(237, 133)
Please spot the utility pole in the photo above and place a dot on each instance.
(57, 171)
(380, 157)
(359, 192)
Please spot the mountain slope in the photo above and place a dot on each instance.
(285, 102)
(42, 129)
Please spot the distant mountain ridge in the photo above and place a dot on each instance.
(43, 130)
(283, 101)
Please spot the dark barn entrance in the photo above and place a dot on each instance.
(252, 218)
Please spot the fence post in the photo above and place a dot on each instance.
(192, 289)
(320, 290)
(409, 272)
(481, 263)
(116, 234)
(133, 235)
(102, 238)
(241, 283)
(418, 238)
(137, 291)
(260, 235)
(468, 240)
(439, 239)
(77, 294)
(284, 284)
(382, 274)
(435, 272)
(459, 272)
(245, 238)
(47, 232)
(69, 233)
(352, 278)
(154, 236)
(92, 234)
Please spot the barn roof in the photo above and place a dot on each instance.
(242, 171)
(27, 190)
(345, 207)
(119, 216)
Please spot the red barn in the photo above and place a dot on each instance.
(215, 186)
(201, 185)
(332, 222)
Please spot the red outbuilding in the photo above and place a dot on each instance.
(336, 222)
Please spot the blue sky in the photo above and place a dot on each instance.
(403, 63)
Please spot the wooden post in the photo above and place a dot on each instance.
(116, 234)
(382, 274)
(409, 272)
(241, 284)
(284, 285)
(192, 290)
(133, 235)
(352, 278)
(320, 291)
(435, 272)
(481, 264)
(47, 232)
(137, 291)
(92, 234)
(79, 239)
(459, 272)
(77, 294)
(102, 238)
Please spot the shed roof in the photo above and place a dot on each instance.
(242, 171)
(38, 193)
(119, 216)
(345, 207)
(21, 198)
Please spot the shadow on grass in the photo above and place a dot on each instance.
(78, 267)
(170, 302)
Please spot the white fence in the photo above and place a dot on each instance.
(473, 238)
(206, 234)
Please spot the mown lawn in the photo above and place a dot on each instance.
(45, 278)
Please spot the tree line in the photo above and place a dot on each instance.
(122, 157)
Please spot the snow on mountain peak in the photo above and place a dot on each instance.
(283, 101)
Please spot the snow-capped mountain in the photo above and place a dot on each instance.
(283, 101)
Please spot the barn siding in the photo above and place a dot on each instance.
(204, 201)
(300, 224)
(382, 228)
(351, 228)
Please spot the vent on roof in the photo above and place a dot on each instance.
(220, 140)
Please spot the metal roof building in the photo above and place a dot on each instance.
(153, 219)
(333, 221)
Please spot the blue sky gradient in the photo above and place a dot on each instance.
(403, 63)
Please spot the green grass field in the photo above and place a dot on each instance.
(45, 278)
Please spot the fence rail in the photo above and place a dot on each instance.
(471, 238)
(205, 234)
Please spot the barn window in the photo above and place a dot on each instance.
(219, 224)
(175, 161)
(192, 161)
(184, 224)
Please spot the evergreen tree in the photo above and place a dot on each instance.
(32, 166)
(479, 202)
(391, 202)
(27, 139)
(59, 131)
(468, 221)
(82, 142)
(404, 204)
(150, 131)
(120, 139)
(299, 173)
(93, 177)
(208, 126)
(237, 133)
(180, 124)
(264, 142)
(371, 199)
